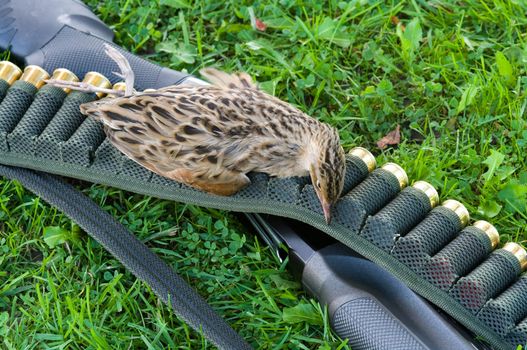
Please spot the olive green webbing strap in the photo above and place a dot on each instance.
(133, 254)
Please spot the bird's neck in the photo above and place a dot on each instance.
(311, 153)
(318, 144)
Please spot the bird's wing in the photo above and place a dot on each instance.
(206, 129)
(156, 131)
(165, 134)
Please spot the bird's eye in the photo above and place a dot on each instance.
(318, 184)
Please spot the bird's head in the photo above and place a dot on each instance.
(327, 166)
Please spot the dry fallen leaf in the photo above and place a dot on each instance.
(391, 138)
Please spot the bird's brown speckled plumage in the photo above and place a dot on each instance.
(210, 137)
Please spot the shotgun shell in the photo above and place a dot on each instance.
(519, 253)
(399, 173)
(98, 80)
(120, 86)
(9, 72)
(34, 75)
(365, 156)
(429, 190)
(459, 209)
(66, 75)
(489, 230)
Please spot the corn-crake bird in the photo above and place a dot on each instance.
(211, 136)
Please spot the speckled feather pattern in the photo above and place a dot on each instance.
(211, 136)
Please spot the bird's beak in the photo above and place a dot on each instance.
(327, 211)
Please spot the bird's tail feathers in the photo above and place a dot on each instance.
(226, 80)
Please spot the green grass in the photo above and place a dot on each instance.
(454, 79)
